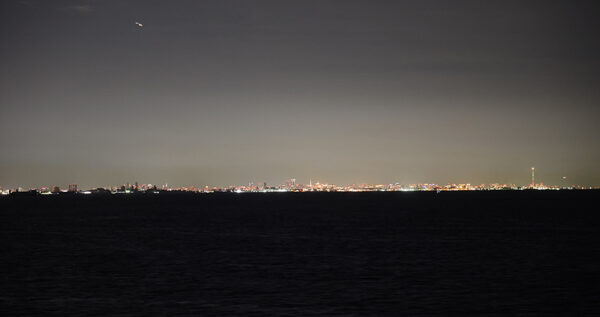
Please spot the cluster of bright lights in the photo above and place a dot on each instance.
(288, 186)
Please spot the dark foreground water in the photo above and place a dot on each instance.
(415, 254)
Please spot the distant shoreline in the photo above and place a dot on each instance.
(236, 193)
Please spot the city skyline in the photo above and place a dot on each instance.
(292, 184)
(562, 181)
(228, 92)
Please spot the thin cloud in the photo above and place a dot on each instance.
(79, 8)
(28, 3)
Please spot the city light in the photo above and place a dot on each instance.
(289, 185)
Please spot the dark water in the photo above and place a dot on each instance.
(416, 254)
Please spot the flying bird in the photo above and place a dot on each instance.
(138, 24)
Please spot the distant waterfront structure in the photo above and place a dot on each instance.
(290, 185)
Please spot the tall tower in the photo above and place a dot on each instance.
(532, 177)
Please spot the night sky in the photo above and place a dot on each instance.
(231, 92)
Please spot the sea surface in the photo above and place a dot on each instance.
(502, 253)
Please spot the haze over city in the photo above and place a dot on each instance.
(231, 92)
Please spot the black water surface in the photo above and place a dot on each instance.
(417, 254)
